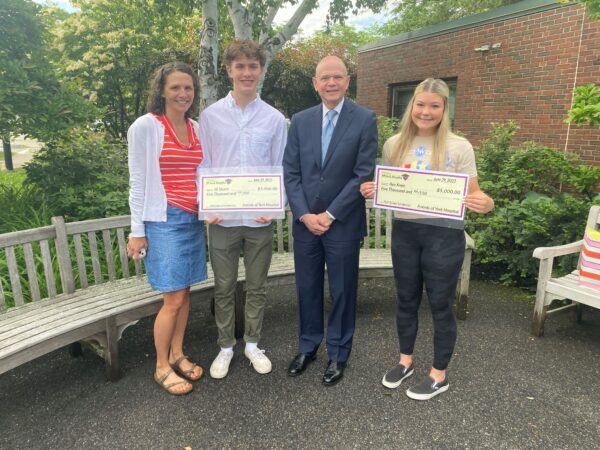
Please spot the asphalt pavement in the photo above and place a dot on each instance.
(507, 390)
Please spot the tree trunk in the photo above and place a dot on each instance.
(209, 52)
(242, 20)
(8, 162)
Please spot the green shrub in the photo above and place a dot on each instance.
(83, 177)
(542, 198)
(586, 106)
(386, 128)
(21, 205)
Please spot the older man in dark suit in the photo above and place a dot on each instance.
(331, 150)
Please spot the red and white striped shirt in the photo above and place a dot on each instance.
(178, 164)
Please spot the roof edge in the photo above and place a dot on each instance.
(524, 8)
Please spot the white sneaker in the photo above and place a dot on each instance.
(220, 366)
(258, 360)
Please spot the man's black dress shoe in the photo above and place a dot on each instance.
(334, 373)
(300, 363)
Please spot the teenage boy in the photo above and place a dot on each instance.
(241, 130)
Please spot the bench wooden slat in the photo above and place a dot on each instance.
(128, 288)
(366, 243)
(23, 354)
(388, 229)
(63, 254)
(65, 310)
(290, 221)
(83, 281)
(123, 252)
(69, 319)
(138, 268)
(93, 225)
(2, 297)
(13, 274)
(38, 311)
(377, 228)
(104, 297)
(108, 253)
(20, 237)
(95, 257)
(279, 231)
(80, 313)
(566, 289)
(34, 287)
(48, 270)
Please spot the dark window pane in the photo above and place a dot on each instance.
(402, 93)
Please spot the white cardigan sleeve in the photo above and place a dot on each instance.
(139, 136)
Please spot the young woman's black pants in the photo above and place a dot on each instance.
(434, 255)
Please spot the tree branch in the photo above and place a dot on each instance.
(274, 43)
(242, 19)
(268, 22)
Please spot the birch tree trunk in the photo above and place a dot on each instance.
(209, 52)
(242, 19)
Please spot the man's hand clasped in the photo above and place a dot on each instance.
(317, 224)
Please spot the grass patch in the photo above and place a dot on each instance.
(13, 179)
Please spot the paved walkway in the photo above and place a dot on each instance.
(508, 391)
(22, 151)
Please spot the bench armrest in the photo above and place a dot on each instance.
(558, 250)
(469, 242)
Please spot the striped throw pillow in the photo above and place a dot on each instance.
(589, 272)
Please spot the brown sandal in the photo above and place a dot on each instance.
(167, 387)
(187, 374)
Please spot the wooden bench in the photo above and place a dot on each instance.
(71, 282)
(561, 288)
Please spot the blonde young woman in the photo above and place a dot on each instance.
(426, 249)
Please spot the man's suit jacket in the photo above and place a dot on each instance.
(334, 186)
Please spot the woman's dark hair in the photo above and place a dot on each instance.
(156, 101)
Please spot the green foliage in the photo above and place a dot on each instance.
(109, 49)
(592, 6)
(542, 198)
(12, 178)
(288, 84)
(386, 128)
(33, 101)
(410, 15)
(21, 205)
(586, 106)
(82, 177)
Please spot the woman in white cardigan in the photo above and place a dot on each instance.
(164, 155)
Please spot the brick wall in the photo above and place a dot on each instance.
(529, 79)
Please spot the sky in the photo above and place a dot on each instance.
(311, 24)
(316, 20)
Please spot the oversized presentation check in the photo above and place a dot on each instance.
(241, 193)
(432, 193)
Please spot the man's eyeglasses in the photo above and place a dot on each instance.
(328, 78)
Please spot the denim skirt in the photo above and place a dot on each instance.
(176, 255)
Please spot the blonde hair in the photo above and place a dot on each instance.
(408, 130)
